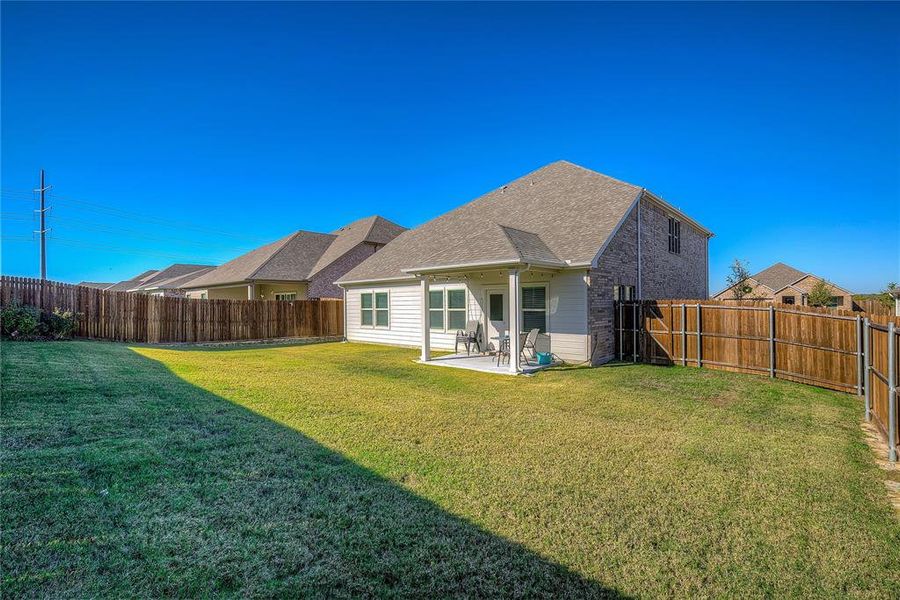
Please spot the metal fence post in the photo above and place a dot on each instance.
(892, 393)
(867, 370)
(621, 330)
(699, 342)
(771, 341)
(683, 334)
(634, 333)
(859, 356)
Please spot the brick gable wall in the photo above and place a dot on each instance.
(663, 274)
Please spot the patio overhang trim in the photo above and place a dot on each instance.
(371, 281)
(502, 264)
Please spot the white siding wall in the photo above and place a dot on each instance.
(406, 316)
(567, 314)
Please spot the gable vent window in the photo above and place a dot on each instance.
(674, 235)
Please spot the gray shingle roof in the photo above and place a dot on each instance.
(100, 285)
(375, 230)
(166, 278)
(561, 211)
(127, 284)
(778, 275)
(299, 256)
(175, 277)
(529, 247)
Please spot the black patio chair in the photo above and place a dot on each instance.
(469, 336)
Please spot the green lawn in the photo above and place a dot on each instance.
(348, 470)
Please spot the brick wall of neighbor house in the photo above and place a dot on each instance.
(757, 292)
(322, 284)
(663, 274)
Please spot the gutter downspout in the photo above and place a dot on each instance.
(640, 293)
(345, 314)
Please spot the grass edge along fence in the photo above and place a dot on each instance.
(840, 350)
(133, 317)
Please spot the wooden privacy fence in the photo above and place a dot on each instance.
(131, 317)
(875, 307)
(829, 348)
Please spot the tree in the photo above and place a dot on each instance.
(820, 294)
(887, 296)
(737, 280)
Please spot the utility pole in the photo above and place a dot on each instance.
(43, 230)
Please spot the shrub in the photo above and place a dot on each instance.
(19, 321)
(60, 324)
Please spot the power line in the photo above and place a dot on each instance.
(121, 250)
(16, 217)
(83, 224)
(117, 212)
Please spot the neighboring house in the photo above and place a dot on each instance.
(127, 284)
(896, 295)
(787, 285)
(95, 284)
(302, 265)
(551, 251)
(170, 280)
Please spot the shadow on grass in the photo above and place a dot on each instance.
(174, 490)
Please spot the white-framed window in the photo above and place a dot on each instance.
(375, 309)
(447, 309)
(674, 235)
(534, 308)
(436, 309)
(286, 296)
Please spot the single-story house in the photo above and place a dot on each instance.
(551, 250)
(127, 284)
(787, 285)
(303, 265)
(99, 285)
(896, 294)
(168, 281)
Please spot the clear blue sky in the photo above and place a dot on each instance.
(223, 126)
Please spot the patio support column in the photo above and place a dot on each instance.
(426, 329)
(251, 292)
(514, 325)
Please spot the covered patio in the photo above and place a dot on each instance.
(494, 304)
(484, 363)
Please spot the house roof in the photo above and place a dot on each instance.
(128, 284)
(95, 284)
(298, 256)
(375, 230)
(173, 276)
(561, 214)
(778, 276)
